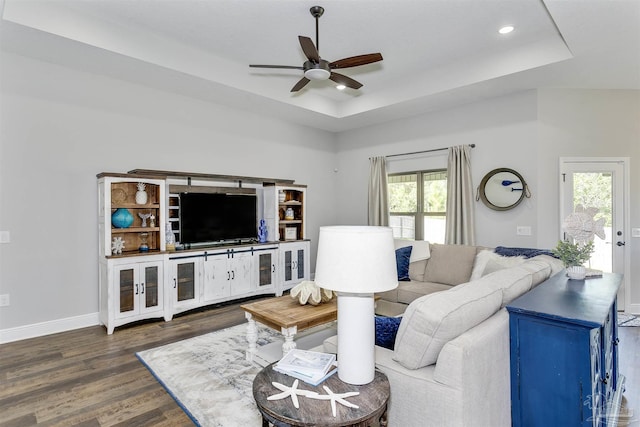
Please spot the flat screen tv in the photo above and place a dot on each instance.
(217, 217)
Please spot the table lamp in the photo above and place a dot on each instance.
(356, 262)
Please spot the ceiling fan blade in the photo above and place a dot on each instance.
(355, 61)
(309, 49)
(292, 67)
(301, 83)
(344, 80)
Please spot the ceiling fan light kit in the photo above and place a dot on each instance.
(316, 68)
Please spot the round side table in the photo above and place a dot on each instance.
(372, 402)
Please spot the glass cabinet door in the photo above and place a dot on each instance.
(300, 267)
(151, 286)
(266, 269)
(186, 280)
(126, 287)
(288, 266)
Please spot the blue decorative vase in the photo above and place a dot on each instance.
(121, 218)
(262, 231)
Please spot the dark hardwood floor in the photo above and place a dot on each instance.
(88, 378)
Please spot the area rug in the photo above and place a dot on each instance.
(209, 377)
(628, 320)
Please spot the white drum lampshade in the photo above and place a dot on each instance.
(356, 262)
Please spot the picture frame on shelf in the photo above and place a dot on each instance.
(290, 233)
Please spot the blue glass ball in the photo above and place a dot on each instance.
(121, 218)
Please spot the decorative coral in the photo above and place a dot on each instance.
(117, 245)
(309, 293)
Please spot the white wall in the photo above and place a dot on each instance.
(61, 127)
(527, 132)
(504, 131)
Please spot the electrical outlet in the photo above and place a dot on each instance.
(5, 237)
(523, 230)
(4, 300)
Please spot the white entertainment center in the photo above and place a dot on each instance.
(148, 281)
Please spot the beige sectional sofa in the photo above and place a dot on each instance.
(445, 266)
(450, 364)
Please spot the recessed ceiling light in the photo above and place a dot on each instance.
(341, 87)
(506, 29)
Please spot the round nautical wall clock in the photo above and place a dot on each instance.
(502, 189)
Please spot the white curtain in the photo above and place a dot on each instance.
(460, 198)
(378, 195)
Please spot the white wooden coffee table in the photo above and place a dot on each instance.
(286, 315)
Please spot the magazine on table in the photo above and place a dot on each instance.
(309, 366)
(311, 380)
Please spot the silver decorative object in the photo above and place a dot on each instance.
(144, 218)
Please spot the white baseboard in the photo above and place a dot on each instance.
(47, 328)
(633, 309)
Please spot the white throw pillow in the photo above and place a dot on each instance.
(420, 250)
(487, 262)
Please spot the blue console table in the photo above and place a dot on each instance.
(564, 355)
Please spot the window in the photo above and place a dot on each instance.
(418, 205)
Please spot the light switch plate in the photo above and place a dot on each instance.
(5, 237)
(523, 230)
(635, 232)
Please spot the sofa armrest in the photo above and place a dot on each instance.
(477, 363)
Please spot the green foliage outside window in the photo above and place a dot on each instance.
(418, 204)
(594, 190)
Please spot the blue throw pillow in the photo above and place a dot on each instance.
(403, 255)
(386, 330)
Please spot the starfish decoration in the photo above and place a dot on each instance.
(292, 391)
(336, 397)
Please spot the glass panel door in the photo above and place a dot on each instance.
(266, 269)
(288, 266)
(300, 264)
(150, 286)
(126, 279)
(186, 278)
(597, 185)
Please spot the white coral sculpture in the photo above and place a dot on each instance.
(117, 245)
(308, 292)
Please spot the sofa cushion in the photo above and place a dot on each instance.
(555, 264)
(513, 282)
(407, 292)
(433, 320)
(487, 261)
(450, 264)
(386, 330)
(402, 262)
(416, 270)
(539, 270)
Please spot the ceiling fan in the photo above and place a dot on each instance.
(317, 68)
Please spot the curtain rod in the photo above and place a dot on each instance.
(424, 151)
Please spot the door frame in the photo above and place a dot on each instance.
(626, 215)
